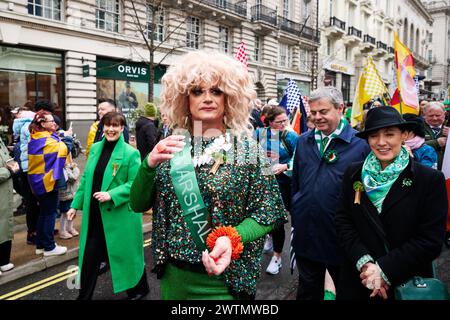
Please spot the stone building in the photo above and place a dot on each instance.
(74, 52)
(351, 30)
(439, 53)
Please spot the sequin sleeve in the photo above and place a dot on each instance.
(264, 202)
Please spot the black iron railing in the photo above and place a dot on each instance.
(381, 45)
(369, 39)
(238, 8)
(289, 25)
(352, 31)
(264, 14)
(311, 34)
(337, 23)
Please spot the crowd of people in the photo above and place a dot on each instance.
(222, 173)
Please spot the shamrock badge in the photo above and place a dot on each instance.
(358, 187)
(115, 166)
(331, 156)
(406, 182)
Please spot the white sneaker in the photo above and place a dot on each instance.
(7, 267)
(65, 235)
(57, 251)
(274, 265)
(268, 244)
(39, 251)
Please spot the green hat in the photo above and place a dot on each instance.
(150, 110)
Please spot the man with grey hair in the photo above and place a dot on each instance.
(320, 160)
(435, 131)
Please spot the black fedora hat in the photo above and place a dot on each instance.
(384, 117)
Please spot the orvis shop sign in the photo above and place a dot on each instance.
(132, 71)
(111, 69)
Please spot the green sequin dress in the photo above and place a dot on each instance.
(243, 187)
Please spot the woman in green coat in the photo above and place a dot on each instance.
(110, 231)
(7, 169)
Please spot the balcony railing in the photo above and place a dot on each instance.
(381, 45)
(337, 23)
(352, 31)
(239, 9)
(289, 25)
(264, 14)
(369, 39)
(391, 50)
(310, 33)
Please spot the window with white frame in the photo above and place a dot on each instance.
(224, 39)
(107, 15)
(286, 9)
(305, 9)
(257, 48)
(49, 9)
(192, 32)
(304, 60)
(157, 27)
(284, 55)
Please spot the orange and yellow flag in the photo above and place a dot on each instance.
(405, 99)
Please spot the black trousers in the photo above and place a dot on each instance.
(278, 234)
(95, 253)
(311, 279)
(5, 252)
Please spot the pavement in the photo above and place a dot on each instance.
(26, 261)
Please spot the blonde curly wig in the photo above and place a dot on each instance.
(208, 68)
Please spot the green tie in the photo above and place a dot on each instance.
(324, 143)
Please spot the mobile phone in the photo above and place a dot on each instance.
(70, 126)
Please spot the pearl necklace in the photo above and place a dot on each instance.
(213, 150)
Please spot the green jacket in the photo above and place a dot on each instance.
(431, 140)
(6, 197)
(122, 226)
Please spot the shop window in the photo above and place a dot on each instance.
(27, 76)
(49, 9)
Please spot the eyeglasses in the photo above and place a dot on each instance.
(281, 121)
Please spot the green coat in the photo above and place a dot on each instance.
(122, 226)
(6, 197)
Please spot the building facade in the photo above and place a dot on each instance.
(439, 53)
(74, 52)
(351, 30)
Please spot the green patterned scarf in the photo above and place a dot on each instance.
(323, 141)
(377, 183)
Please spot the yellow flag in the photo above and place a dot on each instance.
(370, 85)
(357, 107)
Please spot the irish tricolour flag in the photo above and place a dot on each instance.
(446, 171)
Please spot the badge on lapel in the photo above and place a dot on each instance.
(406, 182)
(358, 187)
(115, 166)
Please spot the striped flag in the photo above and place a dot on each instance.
(241, 55)
(446, 172)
